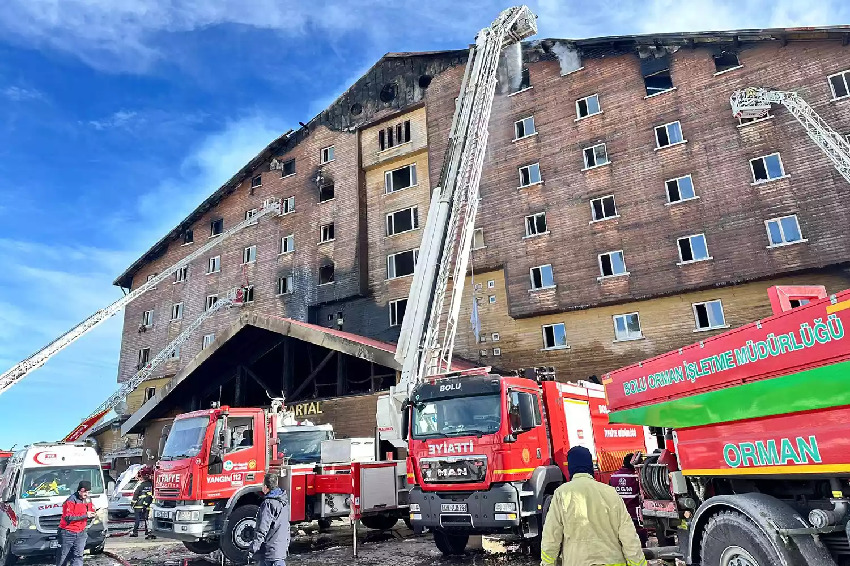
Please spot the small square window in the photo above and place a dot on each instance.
(285, 285)
(208, 339)
(249, 254)
(402, 264)
(726, 61)
(397, 310)
(840, 84)
(482, 353)
(401, 178)
(595, 156)
(554, 336)
(216, 227)
(659, 82)
(767, 168)
(177, 311)
(326, 274)
(524, 128)
(680, 189)
(693, 248)
(287, 244)
(175, 353)
(495, 337)
(188, 237)
(402, 221)
(214, 264)
(491, 284)
(288, 205)
(149, 393)
(497, 351)
(257, 181)
(249, 214)
(535, 224)
(612, 263)
(327, 154)
(288, 168)
(709, 315)
(478, 239)
(326, 193)
(542, 277)
(211, 300)
(181, 274)
(668, 134)
(783, 230)
(248, 294)
(529, 175)
(603, 208)
(147, 318)
(144, 357)
(587, 106)
(326, 233)
(492, 299)
(627, 327)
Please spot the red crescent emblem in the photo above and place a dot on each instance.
(44, 458)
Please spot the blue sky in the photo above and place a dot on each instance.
(118, 118)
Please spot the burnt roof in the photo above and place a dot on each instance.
(361, 103)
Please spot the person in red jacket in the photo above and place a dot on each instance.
(76, 512)
(625, 481)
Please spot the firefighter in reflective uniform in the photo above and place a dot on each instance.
(625, 481)
(588, 523)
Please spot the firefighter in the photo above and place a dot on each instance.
(271, 535)
(76, 512)
(588, 523)
(141, 503)
(625, 481)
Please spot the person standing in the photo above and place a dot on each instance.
(588, 523)
(625, 481)
(76, 512)
(142, 500)
(271, 535)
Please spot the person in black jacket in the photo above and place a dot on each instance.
(271, 535)
(142, 499)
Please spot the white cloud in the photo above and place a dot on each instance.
(21, 94)
(119, 119)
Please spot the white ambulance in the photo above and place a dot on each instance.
(35, 484)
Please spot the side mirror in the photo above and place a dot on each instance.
(405, 420)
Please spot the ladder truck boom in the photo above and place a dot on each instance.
(756, 102)
(38, 359)
(424, 347)
(233, 298)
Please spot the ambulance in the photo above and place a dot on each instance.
(35, 484)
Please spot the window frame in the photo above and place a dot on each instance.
(522, 122)
(248, 294)
(393, 311)
(845, 75)
(207, 340)
(646, 86)
(628, 336)
(326, 154)
(181, 274)
(717, 71)
(589, 114)
(332, 280)
(188, 238)
(147, 318)
(602, 275)
(666, 127)
(529, 167)
(259, 181)
(532, 218)
(249, 255)
(566, 343)
(707, 328)
(391, 220)
(214, 260)
(542, 286)
(289, 288)
(778, 220)
(177, 308)
(678, 188)
(388, 138)
(144, 357)
(283, 167)
(766, 170)
(290, 238)
(593, 219)
(388, 180)
(284, 205)
(213, 223)
(326, 230)
(251, 213)
(689, 238)
(209, 304)
(592, 149)
(394, 270)
(475, 232)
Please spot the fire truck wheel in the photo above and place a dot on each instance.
(450, 545)
(324, 524)
(730, 539)
(238, 533)
(201, 546)
(379, 522)
(537, 542)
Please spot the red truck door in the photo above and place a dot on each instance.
(531, 448)
(243, 455)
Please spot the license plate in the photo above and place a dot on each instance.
(163, 514)
(453, 507)
(54, 544)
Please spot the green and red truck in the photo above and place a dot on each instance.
(753, 462)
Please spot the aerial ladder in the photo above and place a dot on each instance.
(233, 298)
(38, 359)
(426, 341)
(756, 103)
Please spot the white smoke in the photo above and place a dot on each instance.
(568, 57)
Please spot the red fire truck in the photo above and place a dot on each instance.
(754, 463)
(487, 452)
(207, 482)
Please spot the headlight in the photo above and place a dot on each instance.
(505, 507)
(188, 516)
(26, 522)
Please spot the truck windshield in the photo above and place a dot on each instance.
(60, 481)
(302, 447)
(457, 416)
(186, 438)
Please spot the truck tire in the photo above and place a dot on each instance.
(324, 525)
(731, 539)
(238, 533)
(201, 546)
(537, 542)
(379, 522)
(450, 545)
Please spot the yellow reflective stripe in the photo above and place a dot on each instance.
(548, 559)
(642, 562)
(516, 471)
